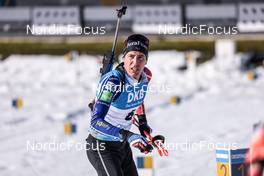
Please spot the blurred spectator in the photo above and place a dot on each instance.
(8, 2)
(255, 155)
(252, 61)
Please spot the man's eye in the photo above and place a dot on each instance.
(141, 58)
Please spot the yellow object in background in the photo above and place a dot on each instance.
(230, 162)
(67, 128)
(68, 57)
(145, 165)
(71, 56)
(174, 100)
(109, 2)
(17, 103)
(251, 75)
(223, 169)
(148, 163)
(70, 128)
(189, 57)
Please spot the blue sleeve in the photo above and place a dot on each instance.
(108, 90)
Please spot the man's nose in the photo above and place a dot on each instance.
(135, 60)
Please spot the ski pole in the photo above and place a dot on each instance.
(120, 13)
(108, 62)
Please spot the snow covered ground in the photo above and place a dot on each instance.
(219, 106)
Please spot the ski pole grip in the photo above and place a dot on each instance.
(121, 12)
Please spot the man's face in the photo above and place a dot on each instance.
(134, 62)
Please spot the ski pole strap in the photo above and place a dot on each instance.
(158, 143)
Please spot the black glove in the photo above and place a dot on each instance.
(143, 125)
(137, 141)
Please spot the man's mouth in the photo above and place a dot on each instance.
(135, 69)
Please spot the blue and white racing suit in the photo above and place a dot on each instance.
(115, 104)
